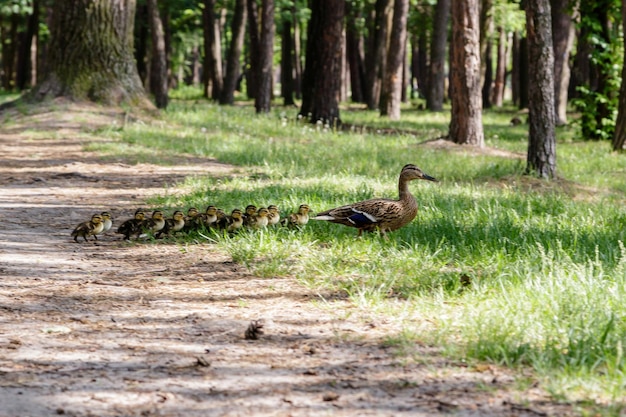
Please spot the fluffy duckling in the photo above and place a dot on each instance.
(152, 225)
(232, 222)
(173, 225)
(260, 219)
(299, 218)
(208, 218)
(249, 214)
(107, 221)
(131, 226)
(273, 215)
(190, 219)
(382, 214)
(89, 228)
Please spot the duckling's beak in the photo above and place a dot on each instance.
(429, 178)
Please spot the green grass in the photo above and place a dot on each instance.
(497, 266)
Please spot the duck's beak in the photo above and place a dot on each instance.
(429, 178)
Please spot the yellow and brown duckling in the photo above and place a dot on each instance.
(173, 225)
(152, 225)
(208, 218)
(249, 214)
(382, 214)
(299, 218)
(132, 227)
(274, 215)
(232, 222)
(190, 219)
(107, 221)
(89, 228)
(260, 219)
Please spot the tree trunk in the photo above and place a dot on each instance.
(322, 74)
(500, 78)
(488, 76)
(263, 97)
(254, 49)
(213, 81)
(9, 51)
(619, 137)
(422, 64)
(437, 75)
(142, 34)
(286, 63)
(297, 58)
(24, 62)
(354, 52)
(158, 60)
(395, 61)
(523, 73)
(515, 68)
(233, 65)
(465, 89)
(91, 54)
(581, 67)
(541, 116)
(563, 39)
(375, 53)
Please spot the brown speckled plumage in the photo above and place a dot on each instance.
(381, 214)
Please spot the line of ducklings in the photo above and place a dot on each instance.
(157, 225)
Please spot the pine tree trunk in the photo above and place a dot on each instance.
(213, 80)
(375, 53)
(500, 77)
(465, 89)
(541, 116)
(395, 61)
(142, 35)
(263, 97)
(354, 54)
(523, 73)
(515, 68)
(619, 137)
(322, 74)
(233, 66)
(9, 51)
(437, 75)
(90, 56)
(563, 39)
(488, 77)
(158, 61)
(297, 58)
(254, 49)
(486, 29)
(24, 63)
(286, 63)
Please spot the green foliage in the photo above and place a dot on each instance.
(496, 267)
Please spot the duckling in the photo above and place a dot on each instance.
(89, 228)
(382, 214)
(248, 215)
(152, 225)
(131, 226)
(273, 215)
(107, 221)
(233, 222)
(190, 219)
(299, 218)
(208, 218)
(173, 225)
(260, 219)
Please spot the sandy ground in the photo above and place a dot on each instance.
(119, 329)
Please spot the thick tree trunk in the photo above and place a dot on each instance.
(541, 116)
(500, 78)
(91, 53)
(375, 53)
(486, 28)
(422, 64)
(286, 63)
(233, 65)
(322, 74)
(619, 137)
(437, 75)
(395, 61)
(142, 35)
(254, 49)
(263, 97)
(158, 61)
(24, 62)
(563, 39)
(466, 119)
(213, 81)
(9, 51)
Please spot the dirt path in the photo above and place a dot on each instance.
(117, 329)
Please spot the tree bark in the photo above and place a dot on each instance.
(9, 51)
(354, 54)
(213, 81)
(254, 49)
(395, 61)
(286, 63)
(233, 65)
(437, 75)
(91, 54)
(158, 60)
(322, 73)
(142, 35)
(541, 117)
(488, 76)
(486, 70)
(465, 89)
(523, 72)
(24, 62)
(563, 39)
(619, 136)
(263, 97)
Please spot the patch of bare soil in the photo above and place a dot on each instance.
(126, 329)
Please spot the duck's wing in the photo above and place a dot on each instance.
(361, 214)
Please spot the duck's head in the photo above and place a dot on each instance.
(236, 214)
(211, 210)
(303, 209)
(263, 212)
(178, 215)
(411, 172)
(140, 215)
(96, 219)
(250, 209)
(273, 209)
(192, 212)
(106, 215)
(157, 215)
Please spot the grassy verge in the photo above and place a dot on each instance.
(497, 266)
